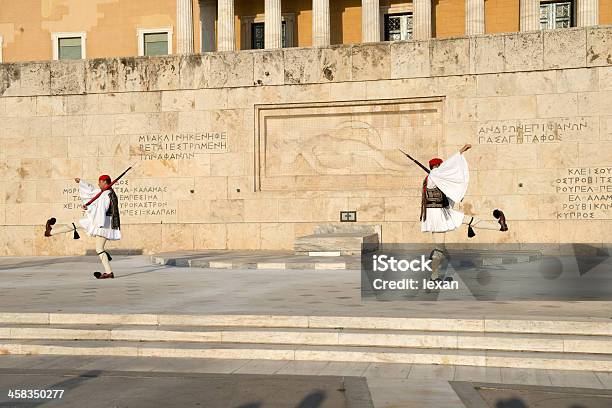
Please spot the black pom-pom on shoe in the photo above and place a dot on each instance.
(501, 218)
(48, 226)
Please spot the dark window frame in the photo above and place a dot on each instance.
(386, 19)
(573, 11)
(255, 45)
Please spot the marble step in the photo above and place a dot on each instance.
(260, 260)
(316, 337)
(479, 358)
(328, 259)
(345, 243)
(535, 325)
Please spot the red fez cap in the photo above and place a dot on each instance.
(435, 162)
(106, 178)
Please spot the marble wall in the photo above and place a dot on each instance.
(250, 149)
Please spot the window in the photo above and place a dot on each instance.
(558, 14)
(208, 18)
(153, 42)
(398, 27)
(258, 36)
(253, 33)
(156, 44)
(68, 46)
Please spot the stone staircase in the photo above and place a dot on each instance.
(527, 343)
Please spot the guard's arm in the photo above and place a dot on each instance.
(86, 191)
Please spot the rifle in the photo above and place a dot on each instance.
(416, 161)
(94, 198)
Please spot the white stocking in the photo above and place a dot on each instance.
(437, 255)
(479, 223)
(100, 243)
(65, 228)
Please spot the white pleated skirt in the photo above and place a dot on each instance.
(442, 220)
(93, 231)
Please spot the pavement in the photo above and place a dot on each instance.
(176, 382)
(66, 284)
(96, 389)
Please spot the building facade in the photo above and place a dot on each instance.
(33, 30)
(250, 149)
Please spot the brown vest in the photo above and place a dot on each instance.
(432, 198)
(113, 210)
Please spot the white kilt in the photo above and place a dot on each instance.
(101, 231)
(442, 220)
(96, 222)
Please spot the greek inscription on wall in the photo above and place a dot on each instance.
(529, 132)
(134, 200)
(179, 146)
(587, 193)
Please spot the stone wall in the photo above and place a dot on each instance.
(253, 148)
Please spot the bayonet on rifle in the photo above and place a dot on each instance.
(416, 161)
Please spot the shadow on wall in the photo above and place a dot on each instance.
(337, 10)
(434, 6)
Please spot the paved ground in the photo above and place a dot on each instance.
(96, 388)
(493, 395)
(65, 284)
(390, 385)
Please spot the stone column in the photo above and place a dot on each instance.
(227, 31)
(588, 13)
(184, 26)
(208, 16)
(370, 21)
(273, 24)
(474, 17)
(421, 19)
(529, 15)
(320, 23)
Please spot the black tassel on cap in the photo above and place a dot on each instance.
(76, 234)
(471, 232)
